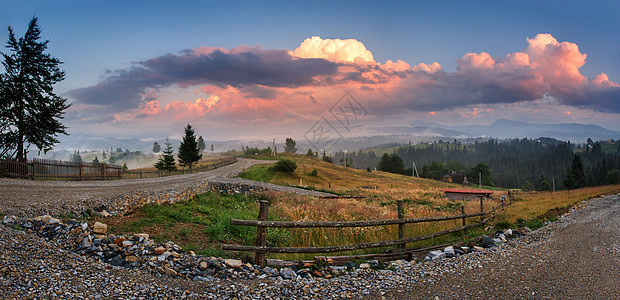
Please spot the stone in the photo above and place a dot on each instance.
(287, 273)
(508, 233)
(100, 228)
(53, 221)
(160, 250)
(86, 242)
(233, 263)
(170, 272)
(449, 251)
(465, 249)
(365, 266)
(142, 235)
(84, 226)
(203, 265)
(126, 244)
(175, 254)
(43, 218)
(487, 242)
(437, 254)
(478, 248)
(104, 214)
(527, 229)
(459, 251)
(132, 258)
(116, 261)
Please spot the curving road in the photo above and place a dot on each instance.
(28, 197)
(577, 257)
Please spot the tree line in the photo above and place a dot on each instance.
(515, 163)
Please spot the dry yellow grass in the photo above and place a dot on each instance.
(533, 204)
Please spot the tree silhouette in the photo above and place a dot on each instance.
(290, 146)
(156, 147)
(30, 111)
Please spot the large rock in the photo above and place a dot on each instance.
(487, 242)
(287, 273)
(233, 263)
(437, 254)
(100, 228)
(449, 251)
(160, 250)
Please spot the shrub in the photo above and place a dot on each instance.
(284, 165)
(314, 173)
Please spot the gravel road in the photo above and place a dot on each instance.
(32, 198)
(577, 257)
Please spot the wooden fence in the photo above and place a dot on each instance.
(47, 169)
(159, 173)
(260, 249)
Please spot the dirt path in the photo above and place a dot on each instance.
(577, 257)
(29, 197)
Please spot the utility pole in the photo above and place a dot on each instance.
(480, 180)
(553, 191)
(273, 151)
(345, 158)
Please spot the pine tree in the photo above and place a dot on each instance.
(201, 144)
(211, 148)
(96, 160)
(189, 153)
(30, 111)
(104, 157)
(290, 146)
(166, 161)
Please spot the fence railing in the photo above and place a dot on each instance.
(160, 173)
(46, 169)
(260, 249)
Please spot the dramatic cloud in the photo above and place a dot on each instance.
(237, 67)
(247, 85)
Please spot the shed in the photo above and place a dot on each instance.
(463, 194)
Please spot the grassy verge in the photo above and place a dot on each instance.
(201, 224)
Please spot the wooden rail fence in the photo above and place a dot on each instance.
(46, 169)
(260, 249)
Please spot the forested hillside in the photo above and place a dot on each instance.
(513, 163)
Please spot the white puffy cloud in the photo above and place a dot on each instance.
(335, 50)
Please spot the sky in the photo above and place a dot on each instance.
(262, 69)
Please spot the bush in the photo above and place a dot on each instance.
(314, 173)
(285, 166)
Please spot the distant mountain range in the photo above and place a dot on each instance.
(503, 128)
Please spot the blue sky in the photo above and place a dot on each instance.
(95, 39)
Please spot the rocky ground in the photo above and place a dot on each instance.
(575, 257)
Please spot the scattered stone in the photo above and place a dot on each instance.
(487, 241)
(142, 235)
(160, 250)
(203, 265)
(233, 263)
(437, 254)
(287, 273)
(365, 266)
(100, 228)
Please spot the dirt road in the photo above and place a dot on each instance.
(577, 257)
(55, 197)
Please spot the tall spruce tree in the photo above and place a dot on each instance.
(290, 146)
(189, 153)
(166, 161)
(30, 111)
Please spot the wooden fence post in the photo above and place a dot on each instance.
(401, 227)
(481, 208)
(103, 166)
(463, 212)
(261, 232)
(81, 175)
